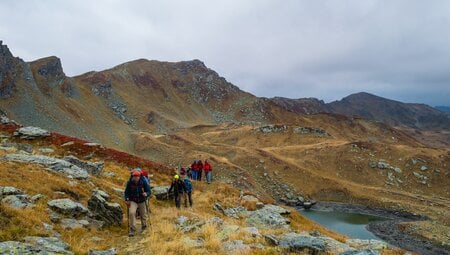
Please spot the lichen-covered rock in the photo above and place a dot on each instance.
(54, 164)
(8, 190)
(184, 224)
(297, 243)
(160, 192)
(49, 245)
(31, 133)
(101, 209)
(17, 248)
(269, 216)
(17, 201)
(94, 168)
(67, 207)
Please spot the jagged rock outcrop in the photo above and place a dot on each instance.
(9, 70)
(101, 209)
(53, 164)
(94, 168)
(14, 197)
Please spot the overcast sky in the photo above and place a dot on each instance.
(323, 49)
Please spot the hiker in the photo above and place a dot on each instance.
(136, 193)
(144, 174)
(178, 190)
(208, 169)
(188, 193)
(189, 172)
(199, 170)
(182, 171)
(194, 169)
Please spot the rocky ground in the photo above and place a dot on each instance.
(56, 203)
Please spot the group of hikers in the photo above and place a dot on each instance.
(138, 191)
(195, 170)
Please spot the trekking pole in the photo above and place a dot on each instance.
(128, 215)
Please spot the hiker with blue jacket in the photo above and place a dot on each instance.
(188, 191)
(136, 193)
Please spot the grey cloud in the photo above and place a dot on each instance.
(325, 49)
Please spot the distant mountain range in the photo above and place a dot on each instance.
(443, 108)
(373, 107)
(153, 95)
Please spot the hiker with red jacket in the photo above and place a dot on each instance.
(208, 171)
(136, 193)
(199, 170)
(194, 169)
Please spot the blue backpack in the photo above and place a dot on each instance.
(188, 184)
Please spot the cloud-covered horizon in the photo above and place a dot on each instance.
(328, 50)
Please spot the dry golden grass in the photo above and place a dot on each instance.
(161, 238)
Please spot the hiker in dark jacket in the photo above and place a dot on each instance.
(178, 190)
(188, 194)
(136, 193)
(200, 169)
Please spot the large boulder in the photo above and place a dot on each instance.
(298, 243)
(49, 245)
(160, 192)
(101, 209)
(8, 190)
(13, 248)
(54, 164)
(67, 207)
(17, 201)
(268, 217)
(14, 197)
(94, 168)
(31, 133)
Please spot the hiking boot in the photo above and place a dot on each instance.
(131, 233)
(144, 228)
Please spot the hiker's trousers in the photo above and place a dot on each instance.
(208, 176)
(199, 175)
(187, 196)
(177, 198)
(132, 213)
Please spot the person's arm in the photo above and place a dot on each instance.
(147, 188)
(171, 187)
(127, 192)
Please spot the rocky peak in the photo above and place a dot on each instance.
(48, 72)
(49, 67)
(8, 71)
(4, 51)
